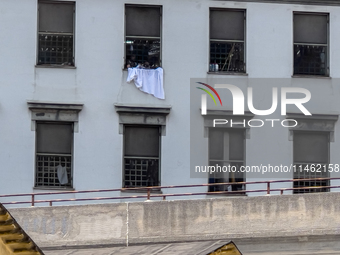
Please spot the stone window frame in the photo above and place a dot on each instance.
(228, 115)
(315, 123)
(48, 112)
(141, 115)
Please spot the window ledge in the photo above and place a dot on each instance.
(55, 66)
(54, 188)
(153, 191)
(228, 73)
(311, 76)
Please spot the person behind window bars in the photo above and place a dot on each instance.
(152, 173)
(131, 62)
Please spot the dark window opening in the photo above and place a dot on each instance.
(227, 41)
(56, 33)
(311, 157)
(226, 149)
(141, 156)
(54, 155)
(311, 44)
(142, 36)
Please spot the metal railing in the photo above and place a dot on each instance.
(149, 195)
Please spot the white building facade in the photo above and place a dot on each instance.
(70, 120)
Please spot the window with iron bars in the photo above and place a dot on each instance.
(142, 36)
(226, 148)
(56, 33)
(54, 155)
(311, 44)
(141, 156)
(311, 152)
(227, 40)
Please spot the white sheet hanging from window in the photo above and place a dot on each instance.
(62, 175)
(148, 80)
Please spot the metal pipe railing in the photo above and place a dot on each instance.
(149, 194)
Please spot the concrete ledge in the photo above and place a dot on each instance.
(183, 220)
(254, 244)
(34, 105)
(153, 109)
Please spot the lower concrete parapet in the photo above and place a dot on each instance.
(183, 220)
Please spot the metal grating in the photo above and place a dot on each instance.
(46, 170)
(312, 172)
(228, 55)
(310, 59)
(55, 49)
(140, 51)
(141, 172)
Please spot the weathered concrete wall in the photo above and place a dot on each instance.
(162, 221)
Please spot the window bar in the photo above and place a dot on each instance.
(48, 169)
(137, 171)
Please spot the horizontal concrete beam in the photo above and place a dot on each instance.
(183, 220)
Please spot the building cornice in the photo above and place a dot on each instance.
(33, 105)
(151, 109)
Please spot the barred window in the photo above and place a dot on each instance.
(56, 33)
(311, 44)
(142, 36)
(141, 156)
(226, 149)
(311, 149)
(227, 40)
(54, 155)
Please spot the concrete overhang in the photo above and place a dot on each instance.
(139, 108)
(55, 105)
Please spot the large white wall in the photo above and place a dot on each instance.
(99, 81)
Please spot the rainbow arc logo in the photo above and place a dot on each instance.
(209, 93)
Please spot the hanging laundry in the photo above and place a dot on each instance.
(62, 174)
(148, 80)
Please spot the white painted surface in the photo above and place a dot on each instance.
(98, 81)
